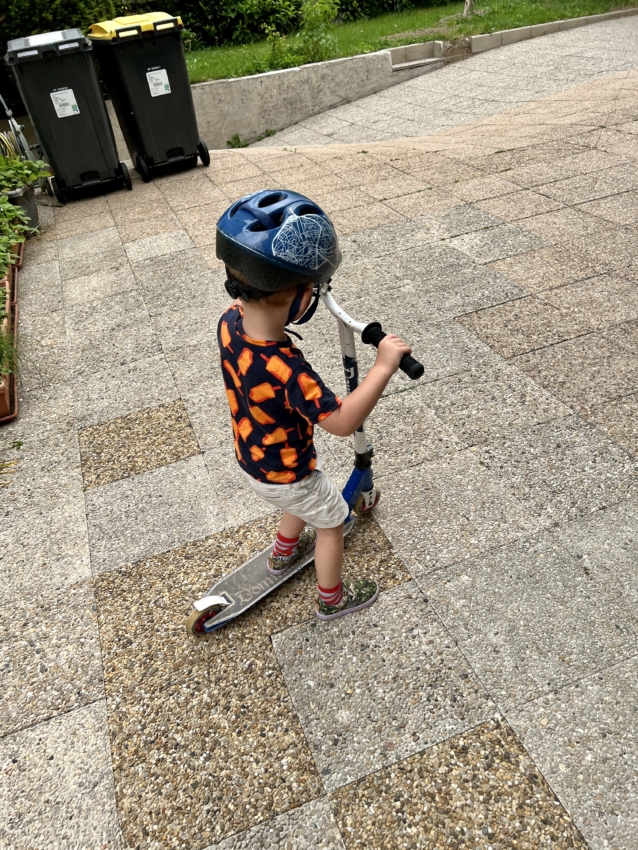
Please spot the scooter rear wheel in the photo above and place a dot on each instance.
(197, 619)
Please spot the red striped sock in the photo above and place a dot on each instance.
(284, 547)
(330, 596)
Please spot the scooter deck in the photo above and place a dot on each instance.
(239, 590)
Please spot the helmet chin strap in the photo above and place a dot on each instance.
(296, 306)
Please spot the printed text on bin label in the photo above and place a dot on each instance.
(65, 103)
(158, 82)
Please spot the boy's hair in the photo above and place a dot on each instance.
(275, 299)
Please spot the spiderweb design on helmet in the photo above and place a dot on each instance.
(305, 241)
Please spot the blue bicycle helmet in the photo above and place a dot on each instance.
(277, 239)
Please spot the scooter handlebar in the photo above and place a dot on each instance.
(374, 333)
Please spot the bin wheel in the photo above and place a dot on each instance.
(57, 191)
(142, 168)
(126, 177)
(204, 153)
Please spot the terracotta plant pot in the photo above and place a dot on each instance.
(8, 384)
(18, 250)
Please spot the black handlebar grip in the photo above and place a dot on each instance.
(374, 333)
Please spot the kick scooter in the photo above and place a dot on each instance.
(238, 591)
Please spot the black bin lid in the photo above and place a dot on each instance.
(35, 46)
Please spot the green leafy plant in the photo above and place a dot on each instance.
(16, 172)
(317, 43)
(236, 142)
(13, 230)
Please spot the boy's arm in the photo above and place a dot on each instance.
(355, 407)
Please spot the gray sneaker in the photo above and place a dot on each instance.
(357, 595)
(307, 540)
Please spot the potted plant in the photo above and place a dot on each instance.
(14, 229)
(17, 180)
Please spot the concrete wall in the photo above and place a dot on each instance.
(249, 106)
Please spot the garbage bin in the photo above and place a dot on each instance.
(57, 78)
(142, 62)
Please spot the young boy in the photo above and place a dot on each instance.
(277, 248)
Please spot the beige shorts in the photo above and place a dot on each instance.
(315, 499)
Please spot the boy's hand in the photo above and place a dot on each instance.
(391, 350)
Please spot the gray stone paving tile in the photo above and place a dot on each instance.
(418, 203)
(149, 513)
(624, 335)
(57, 784)
(90, 253)
(618, 420)
(179, 330)
(523, 325)
(563, 225)
(119, 390)
(234, 501)
(448, 509)
(560, 470)
(43, 353)
(549, 267)
(110, 332)
(53, 664)
(366, 696)
(80, 290)
(44, 410)
(158, 245)
(518, 205)
(495, 243)
(583, 371)
(615, 251)
(530, 620)
(588, 187)
(39, 289)
(582, 740)
(619, 209)
(81, 224)
(483, 403)
(605, 545)
(40, 250)
(309, 827)
(194, 189)
(601, 301)
(176, 281)
(388, 239)
(459, 220)
(480, 188)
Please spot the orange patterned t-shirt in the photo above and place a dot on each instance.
(275, 400)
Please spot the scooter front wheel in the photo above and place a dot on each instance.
(367, 501)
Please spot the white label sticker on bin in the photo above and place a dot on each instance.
(65, 103)
(158, 82)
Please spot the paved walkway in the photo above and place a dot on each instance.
(489, 699)
(487, 84)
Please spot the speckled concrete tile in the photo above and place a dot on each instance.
(523, 325)
(605, 545)
(136, 443)
(588, 187)
(119, 390)
(422, 202)
(81, 224)
(583, 371)
(484, 403)
(80, 290)
(620, 209)
(518, 205)
(76, 210)
(57, 785)
(368, 698)
(158, 245)
(624, 335)
(40, 290)
(175, 281)
(601, 301)
(152, 512)
(40, 250)
(193, 190)
(479, 789)
(549, 267)
(43, 353)
(143, 220)
(464, 218)
(582, 739)
(563, 225)
(618, 420)
(444, 510)
(109, 333)
(617, 250)
(560, 470)
(90, 253)
(480, 188)
(53, 665)
(529, 619)
(43, 410)
(364, 218)
(310, 827)
(223, 696)
(494, 243)
(200, 222)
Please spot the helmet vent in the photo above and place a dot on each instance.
(307, 209)
(256, 227)
(234, 208)
(273, 198)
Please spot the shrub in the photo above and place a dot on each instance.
(16, 172)
(352, 10)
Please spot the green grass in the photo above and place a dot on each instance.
(366, 36)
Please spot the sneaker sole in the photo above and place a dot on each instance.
(346, 611)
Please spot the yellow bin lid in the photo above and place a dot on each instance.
(132, 25)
